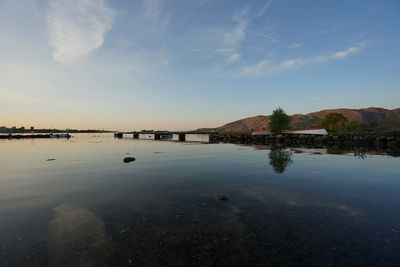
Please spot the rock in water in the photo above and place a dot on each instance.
(129, 159)
(222, 198)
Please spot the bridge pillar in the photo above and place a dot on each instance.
(118, 135)
(135, 136)
(182, 137)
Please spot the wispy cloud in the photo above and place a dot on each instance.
(77, 27)
(233, 58)
(265, 68)
(294, 45)
(152, 8)
(288, 64)
(232, 39)
(152, 22)
(347, 52)
(18, 97)
(255, 70)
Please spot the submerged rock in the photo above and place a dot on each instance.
(222, 198)
(129, 159)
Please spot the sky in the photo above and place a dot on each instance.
(181, 65)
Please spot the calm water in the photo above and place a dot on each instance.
(76, 203)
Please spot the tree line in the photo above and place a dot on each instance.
(280, 122)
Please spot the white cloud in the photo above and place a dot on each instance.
(294, 45)
(233, 58)
(77, 27)
(347, 52)
(264, 69)
(232, 39)
(225, 50)
(256, 70)
(287, 64)
(261, 11)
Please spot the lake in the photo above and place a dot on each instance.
(76, 203)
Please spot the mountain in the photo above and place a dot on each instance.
(385, 118)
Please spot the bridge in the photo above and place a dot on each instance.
(173, 136)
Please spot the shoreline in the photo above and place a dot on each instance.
(368, 141)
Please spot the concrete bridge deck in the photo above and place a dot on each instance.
(173, 136)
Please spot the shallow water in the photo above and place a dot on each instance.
(76, 203)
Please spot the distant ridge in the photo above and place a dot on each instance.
(385, 118)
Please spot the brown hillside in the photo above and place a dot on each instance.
(386, 119)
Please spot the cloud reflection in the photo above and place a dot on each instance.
(77, 237)
(272, 196)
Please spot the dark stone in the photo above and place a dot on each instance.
(365, 141)
(318, 141)
(381, 138)
(393, 144)
(222, 198)
(355, 143)
(347, 142)
(379, 142)
(129, 159)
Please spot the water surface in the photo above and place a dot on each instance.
(76, 203)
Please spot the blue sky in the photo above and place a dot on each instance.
(160, 64)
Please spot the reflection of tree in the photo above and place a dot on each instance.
(336, 151)
(360, 154)
(394, 153)
(280, 158)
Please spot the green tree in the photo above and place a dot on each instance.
(351, 125)
(334, 121)
(363, 128)
(279, 121)
(372, 125)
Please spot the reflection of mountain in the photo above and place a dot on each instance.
(386, 119)
(259, 147)
(280, 158)
(310, 151)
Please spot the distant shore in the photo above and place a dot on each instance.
(45, 131)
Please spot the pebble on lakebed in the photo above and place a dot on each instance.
(129, 159)
(222, 198)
